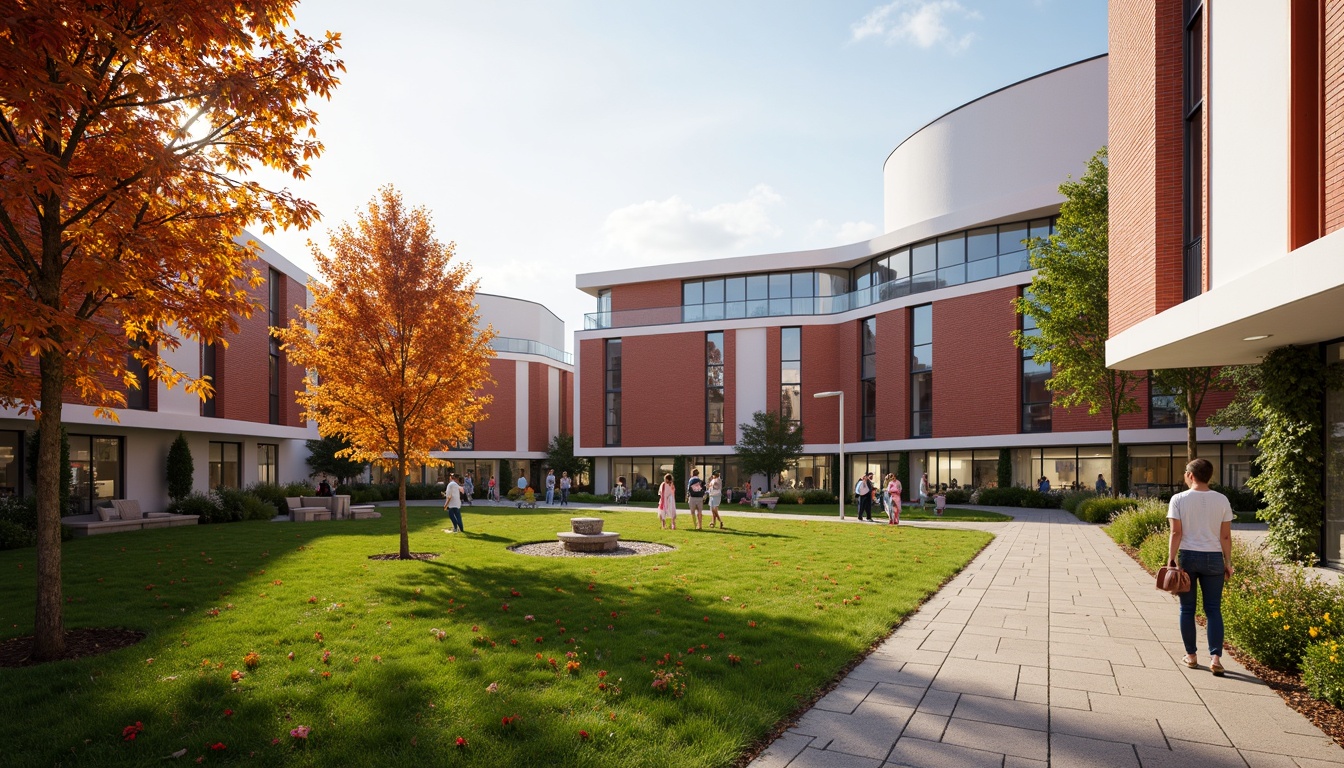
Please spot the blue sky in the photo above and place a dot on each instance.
(550, 138)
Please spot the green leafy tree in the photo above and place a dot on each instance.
(180, 470)
(769, 445)
(560, 457)
(1244, 382)
(1287, 405)
(1189, 386)
(1069, 302)
(328, 455)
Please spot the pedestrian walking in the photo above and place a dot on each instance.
(1201, 541)
(863, 492)
(893, 500)
(715, 497)
(493, 490)
(565, 485)
(667, 503)
(468, 489)
(453, 503)
(550, 486)
(924, 492)
(695, 499)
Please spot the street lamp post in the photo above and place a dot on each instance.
(840, 492)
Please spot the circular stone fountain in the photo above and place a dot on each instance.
(587, 536)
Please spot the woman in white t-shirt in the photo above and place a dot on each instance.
(1201, 535)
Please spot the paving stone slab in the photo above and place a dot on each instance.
(1022, 742)
(783, 750)
(1106, 726)
(980, 677)
(925, 726)
(823, 758)
(1017, 713)
(918, 753)
(846, 696)
(1186, 755)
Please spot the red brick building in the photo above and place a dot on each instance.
(1227, 192)
(914, 327)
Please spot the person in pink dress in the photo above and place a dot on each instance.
(893, 500)
(667, 503)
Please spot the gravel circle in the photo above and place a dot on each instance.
(623, 549)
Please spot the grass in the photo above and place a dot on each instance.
(795, 601)
(908, 512)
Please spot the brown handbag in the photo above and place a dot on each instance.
(1171, 578)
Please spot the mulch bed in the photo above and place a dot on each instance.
(1322, 714)
(414, 556)
(79, 643)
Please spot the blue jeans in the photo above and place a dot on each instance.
(564, 496)
(550, 495)
(1206, 576)
(455, 517)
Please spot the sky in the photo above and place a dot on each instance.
(550, 138)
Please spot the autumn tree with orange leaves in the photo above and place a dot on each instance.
(128, 129)
(390, 341)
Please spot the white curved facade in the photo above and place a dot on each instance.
(521, 319)
(1001, 155)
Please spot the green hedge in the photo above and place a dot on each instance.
(1072, 499)
(1101, 509)
(1015, 497)
(1133, 526)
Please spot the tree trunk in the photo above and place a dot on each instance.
(49, 620)
(1191, 413)
(401, 503)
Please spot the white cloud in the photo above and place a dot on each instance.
(924, 23)
(675, 228)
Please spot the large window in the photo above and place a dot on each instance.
(268, 463)
(96, 470)
(714, 388)
(868, 378)
(10, 467)
(791, 375)
(226, 465)
(274, 347)
(613, 391)
(1193, 188)
(209, 356)
(137, 398)
(1164, 406)
(921, 371)
(1035, 397)
(641, 472)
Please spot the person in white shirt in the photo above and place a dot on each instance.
(550, 486)
(453, 503)
(1201, 536)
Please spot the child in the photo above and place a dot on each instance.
(529, 497)
(939, 504)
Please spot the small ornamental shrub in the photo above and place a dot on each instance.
(268, 492)
(1323, 672)
(1276, 614)
(180, 469)
(586, 498)
(958, 496)
(644, 494)
(1132, 526)
(1153, 551)
(298, 489)
(1015, 497)
(818, 496)
(15, 536)
(1101, 510)
(198, 504)
(1072, 499)
(787, 497)
(254, 508)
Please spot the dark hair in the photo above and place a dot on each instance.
(1202, 469)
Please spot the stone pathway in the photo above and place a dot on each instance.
(1051, 648)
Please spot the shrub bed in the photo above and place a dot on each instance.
(1015, 497)
(1133, 526)
(1153, 551)
(1101, 510)
(1072, 499)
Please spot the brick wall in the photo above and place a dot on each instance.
(498, 430)
(566, 402)
(592, 393)
(976, 374)
(243, 372)
(1146, 157)
(656, 293)
(773, 375)
(538, 406)
(1334, 116)
(893, 375)
(663, 390)
(830, 362)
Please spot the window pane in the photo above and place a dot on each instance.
(692, 313)
(757, 287)
(781, 307)
(921, 391)
(921, 319)
(951, 250)
(922, 424)
(613, 407)
(758, 308)
(923, 258)
(713, 312)
(802, 284)
(1034, 376)
(735, 309)
(952, 275)
(790, 372)
(779, 286)
(791, 343)
(982, 243)
(735, 289)
(899, 263)
(713, 291)
(982, 270)
(868, 368)
(107, 468)
(1014, 262)
(803, 306)
(791, 402)
(716, 433)
(714, 348)
(1040, 228)
(1011, 237)
(693, 293)
(863, 277)
(714, 376)
(922, 358)
(614, 355)
(869, 331)
(1036, 418)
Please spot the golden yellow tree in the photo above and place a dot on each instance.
(390, 342)
(127, 132)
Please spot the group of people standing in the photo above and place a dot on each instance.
(696, 491)
(866, 491)
(563, 483)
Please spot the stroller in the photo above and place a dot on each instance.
(620, 494)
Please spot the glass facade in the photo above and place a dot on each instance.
(273, 369)
(11, 467)
(1036, 399)
(208, 358)
(1164, 406)
(868, 379)
(1334, 464)
(613, 391)
(714, 388)
(921, 371)
(1193, 187)
(137, 398)
(642, 472)
(268, 463)
(791, 375)
(96, 470)
(226, 465)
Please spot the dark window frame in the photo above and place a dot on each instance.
(1156, 393)
(1192, 177)
(796, 418)
(711, 368)
(273, 347)
(210, 462)
(1027, 424)
(918, 372)
(210, 367)
(137, 398)
(611, 393)
(867, 382)
(274, 465)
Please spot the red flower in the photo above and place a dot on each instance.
(721, 636)
(461, 743)
(515, 593)
(235, 676)
(228, 713)
(507, 720)
(218, 746)
(540, 639)
(583, 735)
(131, 731)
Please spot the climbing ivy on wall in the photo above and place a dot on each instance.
(1293, 383)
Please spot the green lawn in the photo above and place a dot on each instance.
(908, 512)
(752, 620)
